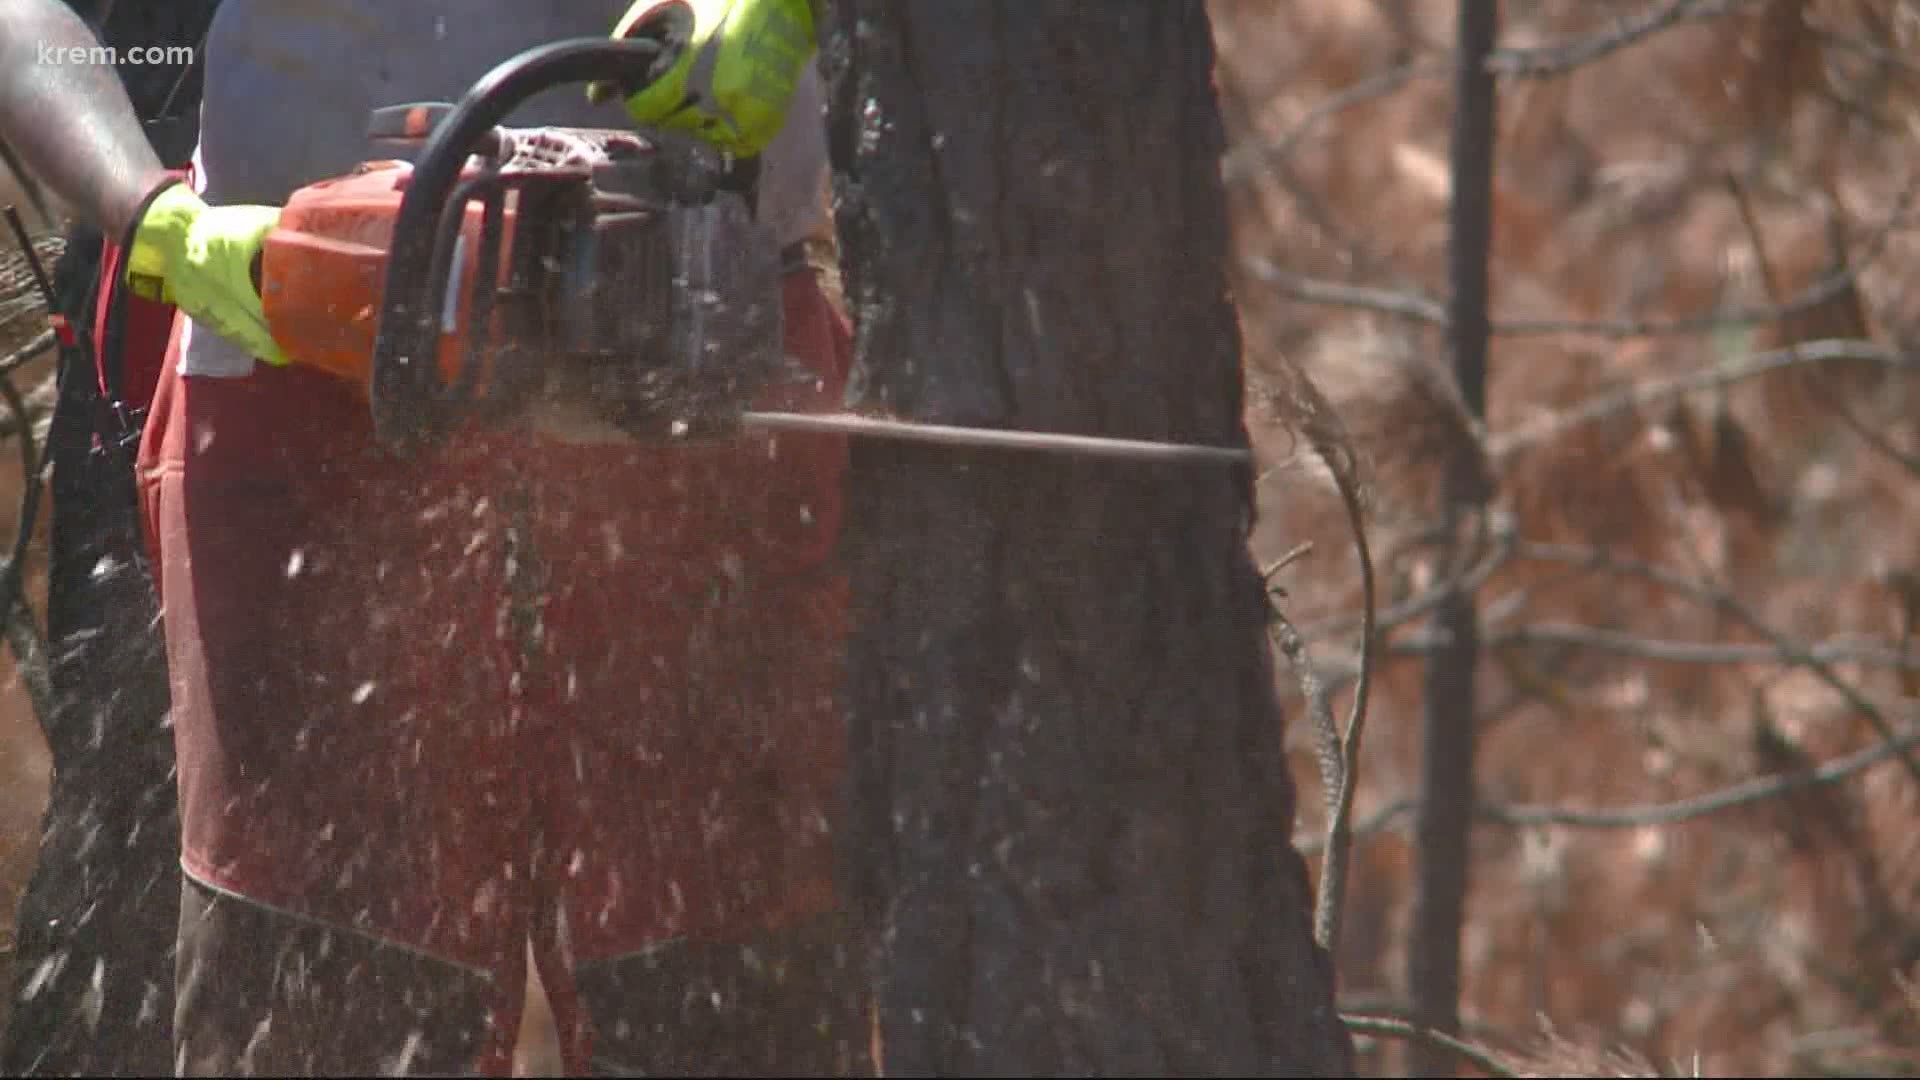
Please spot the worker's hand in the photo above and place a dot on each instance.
(200, 259)
(738, 62)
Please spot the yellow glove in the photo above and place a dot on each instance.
(200, 258)
(738, 63)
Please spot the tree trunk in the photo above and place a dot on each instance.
(1444, 833)
(1071, 814)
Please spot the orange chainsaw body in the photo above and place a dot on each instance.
(323, 271)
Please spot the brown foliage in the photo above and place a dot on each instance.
(1759, 156)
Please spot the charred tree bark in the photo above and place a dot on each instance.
(1441, 844)
(1071, 815)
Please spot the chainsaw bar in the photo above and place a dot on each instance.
(996, 438)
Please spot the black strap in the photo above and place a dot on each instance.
(125, 420)
(171, 125)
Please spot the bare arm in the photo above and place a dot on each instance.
(71, 124)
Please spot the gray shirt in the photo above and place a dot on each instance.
(289, 85)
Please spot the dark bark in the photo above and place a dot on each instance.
(1070, 809)
(92, 992)
(1442, 851)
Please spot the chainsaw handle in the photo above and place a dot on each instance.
(408, 398)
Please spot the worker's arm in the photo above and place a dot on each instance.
(71, 123)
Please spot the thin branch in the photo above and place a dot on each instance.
(1357, 255)
(1723, 601)
(1339, 752)
(1406, 305)
(1419, 307)
(1395, 1028)
(1549, 60)
(1656, 391)
(1372, 823)
(1669, 651)
(1413, 305)
(1647, 815)
(1469, 578)
(17, 623)
(1295, 554)
(1739, 795)
(27, 353)
(1243, 162)
(1879, 54)
(1826, 288)
(1831, 401)
(1287, 639)
(1501, 528)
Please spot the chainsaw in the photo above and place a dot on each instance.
(597, 283)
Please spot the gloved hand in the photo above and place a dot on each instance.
(200, 259)
(735, 73)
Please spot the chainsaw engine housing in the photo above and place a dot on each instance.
(590, 283)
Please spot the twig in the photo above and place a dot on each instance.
(1355, 252)
(1467, 581)
(1333, 878)
(1547, 60)
(1355, 255)
(1679, 811)
(1372, 823)
(29, 186)
(27, 353)
(1652, 392)
(1742, 794)
(1724, 602)
(1408, 305)
(1338, 753)
(1669, 651)
(1295, 554)
(1388, 1006)
(1326, 735)
(1395, 1028)
(1875, 441)
(1422, 308)
(16, 615)
(1879, 54)
(1245, 160)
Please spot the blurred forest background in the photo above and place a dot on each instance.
(1697, 577)
(1696, 574)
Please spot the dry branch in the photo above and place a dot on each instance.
(1669, 651)
(1409, 304)
(1723, 601)
(1315, 419)
(1679, 811)
(1245, 161)
(1406, 304)
(1547, 60)
(1739, 795)
(1658, 391)
(1395, 1028)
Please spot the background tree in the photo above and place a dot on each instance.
(1070, 801)
(1444, 831)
